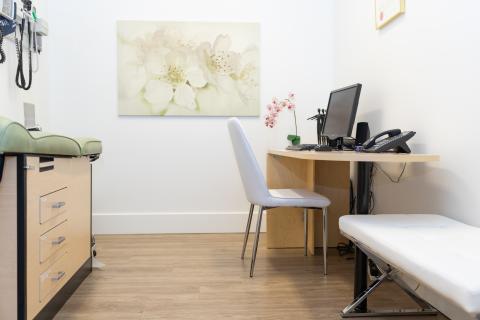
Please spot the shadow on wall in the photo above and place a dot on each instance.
(423, 189)
(372, 117)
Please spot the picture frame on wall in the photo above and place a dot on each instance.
(387, 10)
(188, 68)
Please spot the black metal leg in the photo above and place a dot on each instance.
(364, 170)
(2, 163)
(247, 230)
(257, 239)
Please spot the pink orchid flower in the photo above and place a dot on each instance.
(276, 106)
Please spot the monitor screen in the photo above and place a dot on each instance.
(341, 112)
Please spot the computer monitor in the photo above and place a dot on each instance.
(341, 112)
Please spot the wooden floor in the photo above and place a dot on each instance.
(202, 277)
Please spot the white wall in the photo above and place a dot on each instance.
(11, 97)
(419, 73)
(155, 173)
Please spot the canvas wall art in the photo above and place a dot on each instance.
(188, 68)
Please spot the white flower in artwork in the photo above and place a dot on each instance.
(219, 63)
(247, 74)
(228, 70)
(171, 71)
(159, 94)
(222, 60)
(174, 76)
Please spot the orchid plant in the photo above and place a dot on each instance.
(273, 110)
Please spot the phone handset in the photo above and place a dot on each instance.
(373, 140)
(396, 141)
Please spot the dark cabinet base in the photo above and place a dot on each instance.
(57, 302)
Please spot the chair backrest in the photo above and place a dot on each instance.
(250, 172)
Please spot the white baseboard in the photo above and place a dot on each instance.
(172, 222)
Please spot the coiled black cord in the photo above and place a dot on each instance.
(20, 77)
(3, 57)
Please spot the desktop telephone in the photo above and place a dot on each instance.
(396, 140)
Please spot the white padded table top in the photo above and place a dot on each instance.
(438, 252)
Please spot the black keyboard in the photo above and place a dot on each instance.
(302, 147)
(323, 147)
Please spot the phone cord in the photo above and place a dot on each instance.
(20, 77)
(2, 53)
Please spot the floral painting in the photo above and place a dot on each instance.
(188, 68)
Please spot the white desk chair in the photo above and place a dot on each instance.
(258, 193)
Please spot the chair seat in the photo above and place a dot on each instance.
(301, 198)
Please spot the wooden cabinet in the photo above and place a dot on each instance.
(53, 241)
(50, 198)
(52, 205)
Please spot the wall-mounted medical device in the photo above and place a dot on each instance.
(19, 17)
(7, 23)
(3, 56)
(7, 9)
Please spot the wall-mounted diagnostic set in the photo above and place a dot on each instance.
(19, 22)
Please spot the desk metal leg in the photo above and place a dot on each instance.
(364, 170)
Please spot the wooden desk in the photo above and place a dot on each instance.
(327, 173)
(351, 156)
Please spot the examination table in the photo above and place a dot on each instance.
(45, 219)
(433, 258)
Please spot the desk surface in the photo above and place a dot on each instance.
(355, 156)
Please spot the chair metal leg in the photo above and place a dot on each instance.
(247, 230)
(325, 239)
(257, 237)
(305, 231)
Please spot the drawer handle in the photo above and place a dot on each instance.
(58, 205)
(58, 276)
(58, 241)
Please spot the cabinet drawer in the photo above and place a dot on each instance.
(53, 241)
(47, 174)
(53, 205)
(54, 278)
